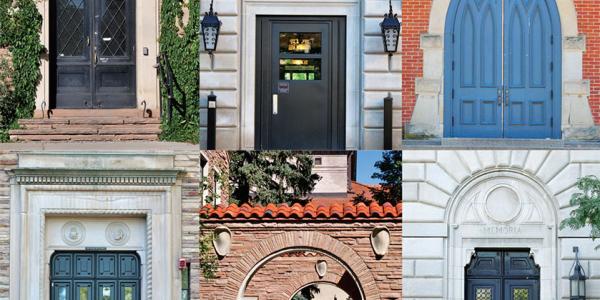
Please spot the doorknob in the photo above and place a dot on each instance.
(506, 97)
(275, 103)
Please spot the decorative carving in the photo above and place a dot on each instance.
(93, 177)
(321, 268)
(117, 233)
(380, 240)
(222, 241)
(502, 204)
(73, 233)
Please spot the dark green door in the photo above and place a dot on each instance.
(502, 275)
(300, 83)
(93, 54)
(95, 276)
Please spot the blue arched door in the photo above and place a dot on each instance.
(502, 69)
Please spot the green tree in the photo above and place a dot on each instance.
(587, 203)
(390, 175)
(270, 176)
(307, 293)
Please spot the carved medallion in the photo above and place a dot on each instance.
(502, 204)
(117, 233)
(73, 233)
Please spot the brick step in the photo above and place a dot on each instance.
(91, 121)
(83, 138)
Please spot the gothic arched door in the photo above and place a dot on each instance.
(502, 75)
(502, 275)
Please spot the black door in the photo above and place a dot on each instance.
(93, 54)
(300, 83)
(502, 275)
(95, 276)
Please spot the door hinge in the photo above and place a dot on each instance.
(551, 66)
(452, 65)
(551, 39)
(452, 93)
(452, 120)
(453, 38)
(551, 94)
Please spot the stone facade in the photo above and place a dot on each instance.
(152, 196)
(452, 207)
(423, 77)
(370, 75)
(263, 251)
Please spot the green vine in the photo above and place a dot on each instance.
(181, 43)
(209, 263)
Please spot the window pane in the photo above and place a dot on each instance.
(128, 293)
(295, 42)
(84, 292)
(300, 69)
(62, 293)
(483, 294)
(520, 294)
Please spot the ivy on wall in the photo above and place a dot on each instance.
(180, 41)
(20, 28)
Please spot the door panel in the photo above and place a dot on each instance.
(477, 66)
(528, 69)
(93, 54)
(300, 91)
(521, 289)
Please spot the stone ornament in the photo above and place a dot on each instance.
(117, 233)
(222, 241)
(502, 204)
(321, 268)
(380, 240)
(73, 233)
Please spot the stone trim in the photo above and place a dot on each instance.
(104, 213)
(294, 241)
(87, 177)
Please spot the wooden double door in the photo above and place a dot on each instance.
(502, 275)
(95, 276)
(93, 54)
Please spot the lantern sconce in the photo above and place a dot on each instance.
(380, 240)
(390, 31)
(577, 279)
(222, 241)
(211, 26)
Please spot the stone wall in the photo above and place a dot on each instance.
(378, 77)
(346, 241)
(440, 231)
(8, 161)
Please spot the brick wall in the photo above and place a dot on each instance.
(8, 161)
(416, 21)
(588, 22)
(348, 241)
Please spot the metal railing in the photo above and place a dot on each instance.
(169, 83)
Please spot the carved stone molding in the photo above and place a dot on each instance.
(87, 177)
(117, 233)
(73, 233)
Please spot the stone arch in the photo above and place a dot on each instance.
(276, 245)
(548, 203)
(429, 89)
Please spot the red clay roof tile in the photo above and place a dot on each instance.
(310, 211)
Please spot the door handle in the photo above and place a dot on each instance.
(275, 104)
(95, 58)
(499, 90)
(506, 97)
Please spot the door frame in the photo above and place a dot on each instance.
(93, 26)
(337, 71)
(556, 80)
(250, 10)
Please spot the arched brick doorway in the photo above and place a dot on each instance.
(264, 239)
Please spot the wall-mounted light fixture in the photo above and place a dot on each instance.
(390, 31)
(210, 29)
(577, 279)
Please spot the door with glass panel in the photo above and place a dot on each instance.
(93, 54)
(300, 83)
(95, 276)
(502, 275)
(502, 75)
